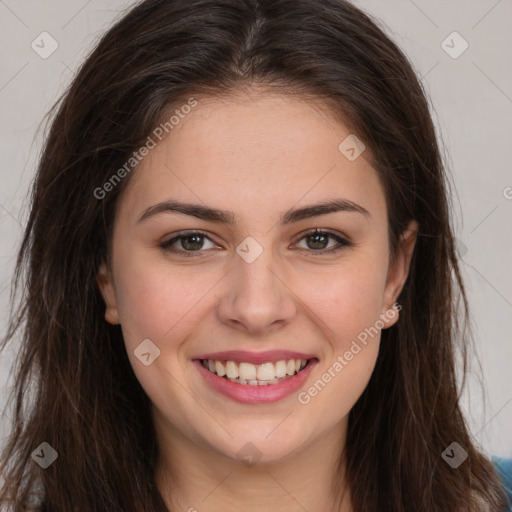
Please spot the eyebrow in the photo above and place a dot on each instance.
(228, 217)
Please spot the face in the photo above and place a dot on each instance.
(255, 278)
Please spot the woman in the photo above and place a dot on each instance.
(241, 283)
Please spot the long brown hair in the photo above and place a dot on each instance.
(74, 386)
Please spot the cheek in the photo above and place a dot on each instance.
(159, 302)
(164, 307)
(348, 302)
(347, 299)
(349, 306)
(162, 303)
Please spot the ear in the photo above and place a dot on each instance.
(398, 272)
(106, 286)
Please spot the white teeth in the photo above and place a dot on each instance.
(247, 371)
(280, 369)
(219, 369)
(266, 371)
(231, 370)
(256, 375)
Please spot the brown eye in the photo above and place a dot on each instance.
(192, 242)
(187, 243)
(318, 242)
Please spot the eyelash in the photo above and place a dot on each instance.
(167, 245)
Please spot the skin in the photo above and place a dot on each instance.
(256, 154)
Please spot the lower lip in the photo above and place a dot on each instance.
(247, 394)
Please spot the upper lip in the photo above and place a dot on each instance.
(270, 356)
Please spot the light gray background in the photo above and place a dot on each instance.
(472, 99)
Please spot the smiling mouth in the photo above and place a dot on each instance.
(249, 374)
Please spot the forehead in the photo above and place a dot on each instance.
(253, 149)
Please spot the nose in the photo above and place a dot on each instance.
(256, 298)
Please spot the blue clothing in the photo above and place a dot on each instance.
(504, 469)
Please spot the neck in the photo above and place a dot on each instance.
(193, 478)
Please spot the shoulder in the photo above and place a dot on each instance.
(503, 467)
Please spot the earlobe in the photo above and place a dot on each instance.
(398, 272)
(107, 290)
(112, 315)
